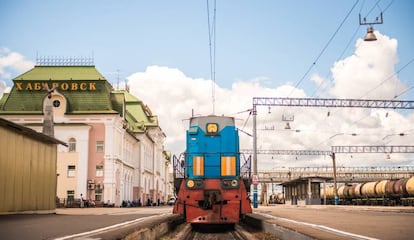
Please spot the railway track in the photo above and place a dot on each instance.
(216, 232)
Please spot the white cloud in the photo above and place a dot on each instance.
(173, 96)
(3, 87)
(369, 72)
(12, 62)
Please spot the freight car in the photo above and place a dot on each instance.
(383, 192)
(211, 189)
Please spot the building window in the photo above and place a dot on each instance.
(56, 103)
(98, 194)
(70, 196)
(99, 171)
(99, 146)
(71, 171)
(72, 145)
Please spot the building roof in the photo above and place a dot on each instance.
(86, 92)
(28, 132)
(61, 73)
(27, 94)
(313, 179)
(137, 114)
(3, 99)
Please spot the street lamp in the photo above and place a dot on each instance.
(370, 31)
(389, 135)
(336, 199)
(340, 134)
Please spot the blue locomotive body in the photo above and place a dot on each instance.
(211, 189)
(212, 148)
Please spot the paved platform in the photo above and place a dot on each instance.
(306, 222)
(81, 223)
(114, 211)
(338, 222)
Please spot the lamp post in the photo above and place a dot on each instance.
(334, 178)
(336, 199)
(254, 156)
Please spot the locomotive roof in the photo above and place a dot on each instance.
(203, 120)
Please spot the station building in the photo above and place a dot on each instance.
(304, 190)
(115, 146)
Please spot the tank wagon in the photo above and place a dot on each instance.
(211, 188)
(383, 192)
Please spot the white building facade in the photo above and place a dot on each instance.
(115, 147)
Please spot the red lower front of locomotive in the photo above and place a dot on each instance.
(212, 204)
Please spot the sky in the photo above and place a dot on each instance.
(266, 48)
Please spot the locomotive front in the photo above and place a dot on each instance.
(212, 191)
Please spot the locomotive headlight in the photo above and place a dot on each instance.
(230, 183)
(190, 183)
(212, 129)
(234, 183)
(195, 184)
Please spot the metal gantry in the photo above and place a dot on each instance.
(344, 174)
(332, 102)
(287, 152)
(373, 149)
(317, 102)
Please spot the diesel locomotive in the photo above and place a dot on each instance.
(210, 183)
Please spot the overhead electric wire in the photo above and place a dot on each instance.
(402, 68)
(392, 1)
(388, 78)
(212, 47)
(412, 60)
(403, 92)
(324, 48)
(397, 95)
(373, 7)
(340, 56)
(354, 34)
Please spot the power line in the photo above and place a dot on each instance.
(392, 1)
(324, 48)
(388, 78)
(340, 57)
(354, 34)
(212, 47)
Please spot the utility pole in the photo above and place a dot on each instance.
(254, 156)
(336, 199)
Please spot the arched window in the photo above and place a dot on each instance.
(72, 145)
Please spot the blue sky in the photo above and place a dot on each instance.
(263, 48)
(276, 40)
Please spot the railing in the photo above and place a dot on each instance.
(245, 169)
(179, 166)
